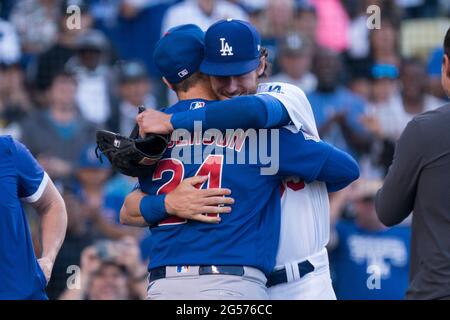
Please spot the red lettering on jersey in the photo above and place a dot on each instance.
(211, 167)
(296, 185)
(176, 167)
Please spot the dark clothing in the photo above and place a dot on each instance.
(50, 63)
(69, 255)
(419, 181)
(44, 137)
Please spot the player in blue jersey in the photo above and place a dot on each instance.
(230, 259)
(235, 62)
(22, 276)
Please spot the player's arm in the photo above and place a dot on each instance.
(395, 200)
(261, 111)
(37, 188)
(130, 213)
(185, 201)
(313, 160)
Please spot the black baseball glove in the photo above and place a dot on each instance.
(132, 156)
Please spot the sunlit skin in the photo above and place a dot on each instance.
(62, 92)
(382, 89)
(366, 216)
(327, 67)
(109, 284)
(135, 91)
(234, 86)
(296, 65)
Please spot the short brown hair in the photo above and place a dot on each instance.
(188, 83)
(268, 68)
(447, 43)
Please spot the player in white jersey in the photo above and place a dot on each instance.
(302, 269)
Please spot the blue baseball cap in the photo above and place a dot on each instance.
(384, 70)
(179, 52)
(231, 48)
(89, 160)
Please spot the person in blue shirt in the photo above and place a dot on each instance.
(22, 276)
(232, 257)
(434, 73)
(336, 109)
(369, 261)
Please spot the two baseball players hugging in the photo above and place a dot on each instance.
(223, 229)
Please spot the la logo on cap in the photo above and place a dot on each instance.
(226, 50)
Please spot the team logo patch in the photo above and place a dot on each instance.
(183, 73)
(226, 50)
(196, 105)
(182, 269)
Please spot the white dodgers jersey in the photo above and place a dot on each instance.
(305, 216)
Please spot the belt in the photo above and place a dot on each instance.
(280, 276)
(160, 272)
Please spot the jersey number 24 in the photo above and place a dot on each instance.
(211, 167)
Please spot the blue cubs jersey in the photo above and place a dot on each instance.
(248, 235)
(371, 265)
(21, 178)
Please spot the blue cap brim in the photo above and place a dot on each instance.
(224, 69)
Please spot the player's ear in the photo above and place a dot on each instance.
(261, 67)
(167, 83)
(446, 66)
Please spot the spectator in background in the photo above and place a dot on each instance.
(280, 15)
(5, 8)
(368, 260)
(391, 119)
(359, 32)
(133, 27)
(384, 43)
(13, 97)
(52, 61)
(93, 76)
(414, 95)
(384, 102)
(305, 20)
(14, 100)
(91, 176)
(418, 8)
(379, 118)
(36, 22)
(383, 49)
(359, 82)
(255, 10)
(110, 270)
(295, 58)
(9, 43)
(434, 74)
(78, 237)
(57, 134)
(203, 13)
(134, 91)
(336, 109)
(277, 23)
(332, 24)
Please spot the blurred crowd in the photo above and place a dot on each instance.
(61, 78)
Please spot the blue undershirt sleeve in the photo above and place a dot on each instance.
(153, 209)
(262, 111)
